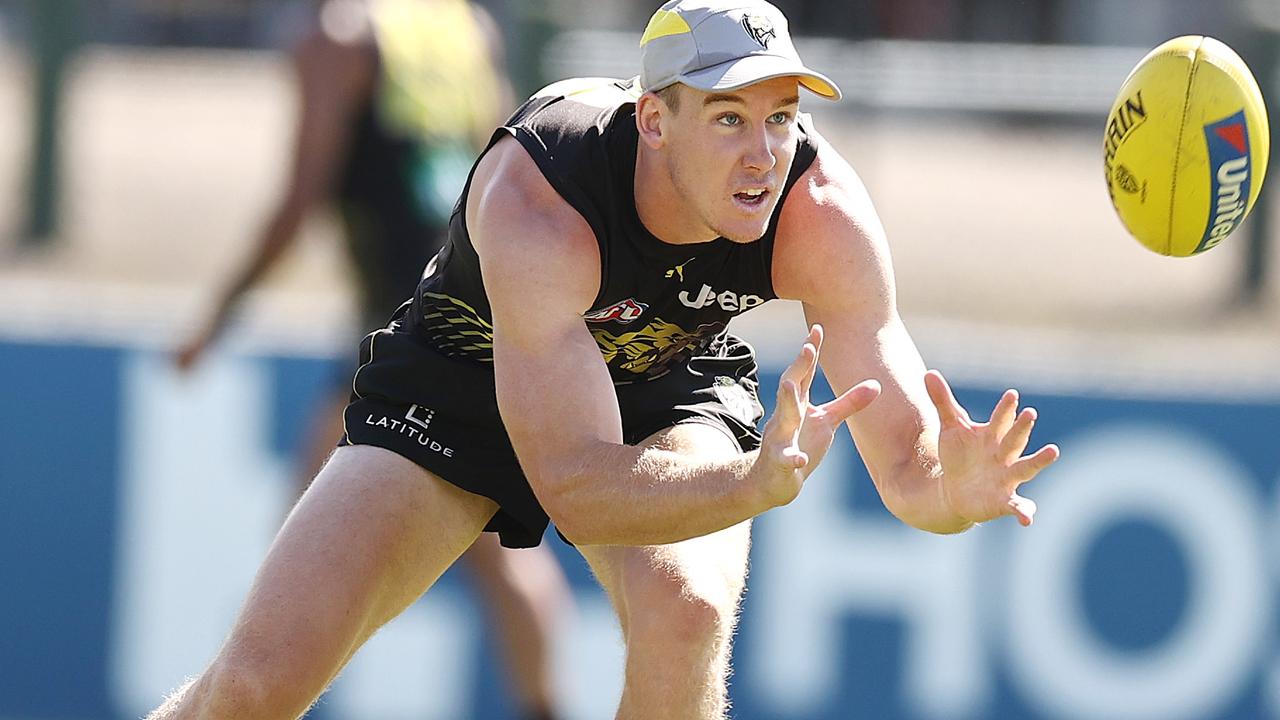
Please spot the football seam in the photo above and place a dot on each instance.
(1177, 149)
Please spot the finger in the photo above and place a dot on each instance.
(949, 410)
(791, 409)
(1003, 415)
(852, 401)
(789, 412)
(803, 365)
(1015, 441)
(809, 368)
(1022, 508)
(816, 335)
(1031, 465)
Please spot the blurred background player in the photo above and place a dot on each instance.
(396, 97)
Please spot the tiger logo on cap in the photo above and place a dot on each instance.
(760, 28)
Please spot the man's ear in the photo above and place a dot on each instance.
(652, 115)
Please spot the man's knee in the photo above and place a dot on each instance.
(672, 610)
(238, 687)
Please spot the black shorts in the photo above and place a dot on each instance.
(442, 414)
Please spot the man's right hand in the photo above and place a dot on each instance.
(798, 435)
(186, 356)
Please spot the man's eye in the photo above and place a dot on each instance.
(780, 118)
(730, 119)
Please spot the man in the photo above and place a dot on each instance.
(396, 98)
(566, 356)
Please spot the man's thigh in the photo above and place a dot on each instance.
(712, 567)
(369, 536)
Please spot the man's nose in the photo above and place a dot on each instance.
(760, 154)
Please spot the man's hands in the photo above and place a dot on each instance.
(189, 353)
(983, 463)
(798, 434)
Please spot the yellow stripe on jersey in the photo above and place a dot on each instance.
(598, 92)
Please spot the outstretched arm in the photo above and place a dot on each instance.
(934, 467)
(332, 78)
(542, 268)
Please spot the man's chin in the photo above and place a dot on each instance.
(746, 227)
(744, 233)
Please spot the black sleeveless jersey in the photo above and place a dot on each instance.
(659, 304)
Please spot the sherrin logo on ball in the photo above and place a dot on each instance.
(1186, 146)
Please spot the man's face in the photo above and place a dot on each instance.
(729, 153)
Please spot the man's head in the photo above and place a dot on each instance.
(717, 119)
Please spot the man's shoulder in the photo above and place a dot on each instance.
(339, 49)
(827, 227)
(829, 188)
(343, 24)
(581, 137)
(528, 238)
(564, 114)
(568, 113)
(510, 190)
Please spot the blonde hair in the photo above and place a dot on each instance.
(670, 96)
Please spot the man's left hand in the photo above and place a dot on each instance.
(983, 463)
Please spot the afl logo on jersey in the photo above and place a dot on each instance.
(760, 28)
(623, 312)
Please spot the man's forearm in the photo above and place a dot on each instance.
(626, 495)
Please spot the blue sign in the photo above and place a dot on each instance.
(137, 503)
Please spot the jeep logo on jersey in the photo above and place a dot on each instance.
(727, 300)
(1228, 142)
(623, 312)
(760, 28)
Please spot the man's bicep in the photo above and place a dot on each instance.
(554, 393)
(541, 271)
(550, 374)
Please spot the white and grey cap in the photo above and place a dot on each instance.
(718, 45)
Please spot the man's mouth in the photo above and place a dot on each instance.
(753, 197)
